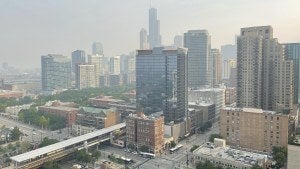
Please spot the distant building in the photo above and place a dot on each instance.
(233, 78)
(228, 51)
(161, 82)
(143, 39)
(255, 129)
(230, 96)
(210, 95)
(292, 51)
(216, 73)
(115, 65)
(61, 109)
(56, 72)
(178, 41)
(25, 87)
(85, 76)
(227, 66)
(199, 61)
(200, 113)
(98, 117)
(7, 94)
(97, 48)
(154, 37)
(145, 131)
(78, 57)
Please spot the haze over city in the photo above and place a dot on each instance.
(30, 28)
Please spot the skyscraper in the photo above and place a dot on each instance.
(78, 57)
(178, 41)
(216, 67)
(198, 44)
(56, 72)
(143, 39)
(292, 51)
(97, 48)
(85, 76)
(154, 29)
(161, 82)
(97, 61)
(264, 76)
(115, 65)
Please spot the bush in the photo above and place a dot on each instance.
(194, 148)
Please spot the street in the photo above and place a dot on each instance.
(32, 133)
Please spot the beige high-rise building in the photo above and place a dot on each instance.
(227, 66)
(143, 39)
(255, 129)
(115, 65)
(264, 76)
(216, 67)
(145, 131)
(85, 76)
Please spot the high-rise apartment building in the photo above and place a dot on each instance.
(178, 41)
(161, 82)
(97, 48)
(255, 129)
(227, 66)
(56, 72)
(78, 57)
(143, 39)
(85, 76)
(154, 29)
(292, 51)
(264, 76)
(115, 65)
(198, 44)
(216, 74)
(143, 131)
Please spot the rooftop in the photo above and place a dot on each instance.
(62, 108)
(100, 111)
(252, 110)
(230, 154)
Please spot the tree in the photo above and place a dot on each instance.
(42, 121)
(46, 141)
(256, 166)
(206, 165)
(130, 146)
(83, 156)
(144, 148)
(96, 154)
(194, 148)
(280, 156)
(172, 144)
(51, 165)
(213, 136)
(15, 134)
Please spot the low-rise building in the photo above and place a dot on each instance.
(107, 102)
(7, 94)
(98, 117)
(61, 109)
(78, 130)
(255, 129)
(227, 157)
(209, 95)
(201, 113)
(145, 131)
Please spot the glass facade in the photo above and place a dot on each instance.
(292, 51)
(161, 82)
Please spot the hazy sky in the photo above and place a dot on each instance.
(31, 28)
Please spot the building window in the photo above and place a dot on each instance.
(277, 118)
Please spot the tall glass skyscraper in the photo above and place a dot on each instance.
(199, 70)
(78, 57)
(161, 82)
(154, 29)
(292, 51)
(56, 72)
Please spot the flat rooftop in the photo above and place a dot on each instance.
(60, 145)
(62, 108)
(230, 154)
(252, 110)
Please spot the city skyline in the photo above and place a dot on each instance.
(69, 29)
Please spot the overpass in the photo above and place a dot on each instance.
(57, 151)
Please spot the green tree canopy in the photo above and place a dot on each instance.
(15, 134)
(46, 141)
